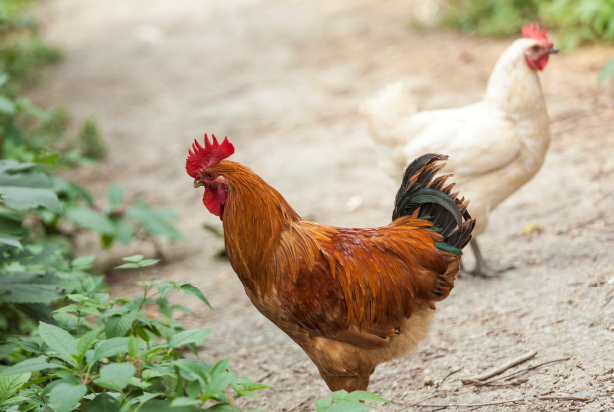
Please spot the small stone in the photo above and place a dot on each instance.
(428, 381)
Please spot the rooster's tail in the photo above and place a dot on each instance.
(423, 197)
(386, 113)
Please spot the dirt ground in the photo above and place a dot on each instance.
(283, 80)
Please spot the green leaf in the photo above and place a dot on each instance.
(133, 346)
(90, 219)
(164, 290)
(103, 402)
(138, 383)
(118, 325)
(7, 106)
(350, 406)
(7, 240)
(111, 347)
(87, 341)
(324, 404)
(116, 376)
(77, 297)
(123, 230)
(157, 405)
(10, 384)
(30, 365)
(154, 222)
(27, 191)
(148, 262)
(128, 266)
(30, 287)
(134, 258)
(83, 261)
(189, 336)
(115, 193)
(183, 401)
(89, 310)
(68, 308)
(88, 284)
(194, 291)
(66, 396)
(150, 373)
(35, 345)
(57, 339)
(141, 400)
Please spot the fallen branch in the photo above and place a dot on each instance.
(563, 398)
(500, 369)
(470, 405)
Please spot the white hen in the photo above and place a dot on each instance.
(495, 146)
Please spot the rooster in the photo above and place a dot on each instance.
(496, 145)
(350, 298)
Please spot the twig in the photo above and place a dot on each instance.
(470, 405)
(563, 398)
(530, 368)
(298, 405)
(500, 369)
(448, 375)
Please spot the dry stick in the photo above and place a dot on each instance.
(448, 375)
(563, 398)
(500, 369)
(530, 368)
(470, 405)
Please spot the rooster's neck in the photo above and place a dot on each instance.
(255, 216)
(514, 87)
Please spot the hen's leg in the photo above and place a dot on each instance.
(464, 273)
(481, 269)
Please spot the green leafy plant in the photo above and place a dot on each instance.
(117, 221)
(112, 354)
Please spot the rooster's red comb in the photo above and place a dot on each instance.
(203, 157)
(534, 32)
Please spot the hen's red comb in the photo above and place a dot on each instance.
(203, 157)
(534, 32)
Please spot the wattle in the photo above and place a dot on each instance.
(213, 203)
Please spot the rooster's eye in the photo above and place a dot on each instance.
(209, 175)
(535, 48)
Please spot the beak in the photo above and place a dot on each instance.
(197, 184)
(553, 50)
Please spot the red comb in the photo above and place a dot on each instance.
(534, 32)
(203, 157)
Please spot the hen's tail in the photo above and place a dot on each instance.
(387, 112)
(423, 197)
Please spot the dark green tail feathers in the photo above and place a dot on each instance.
(423, 197)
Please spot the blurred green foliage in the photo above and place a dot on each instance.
(575, 21)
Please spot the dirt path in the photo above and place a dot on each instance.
(283, 81)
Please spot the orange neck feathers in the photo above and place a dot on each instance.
(255, 216)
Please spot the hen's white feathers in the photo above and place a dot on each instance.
(494, 146)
